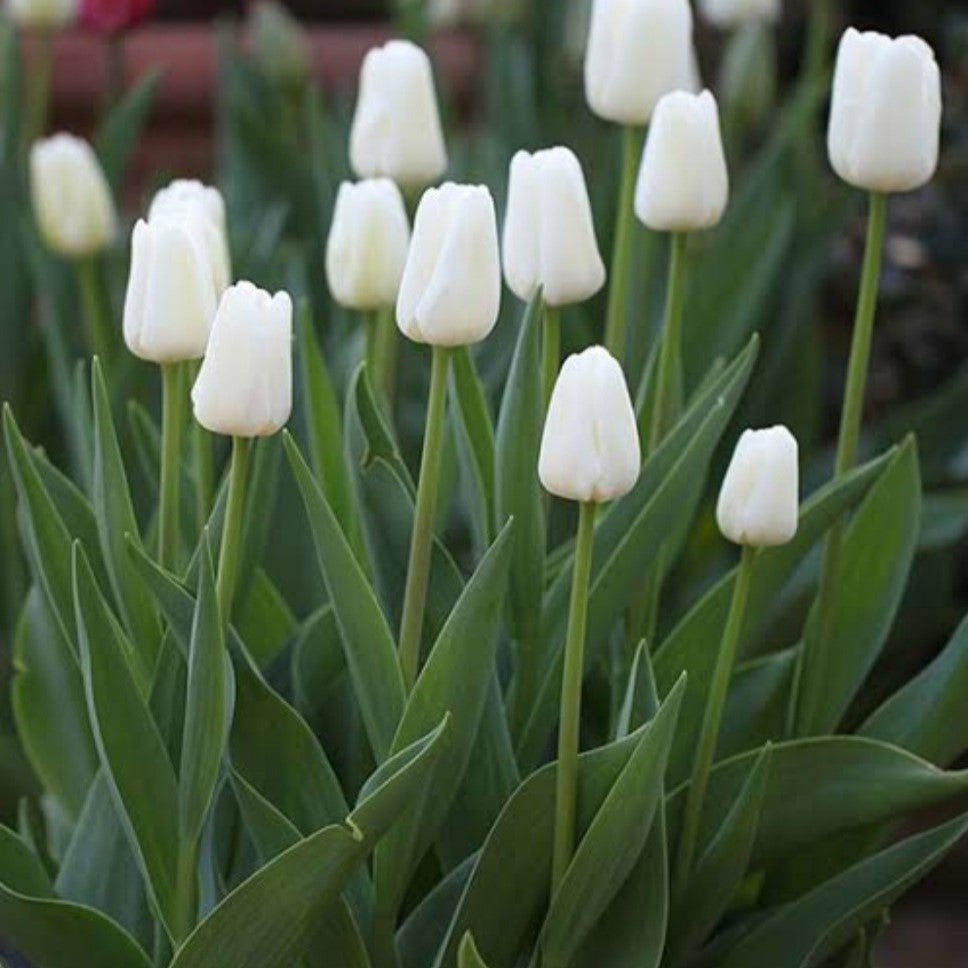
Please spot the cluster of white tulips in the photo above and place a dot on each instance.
(443, 280)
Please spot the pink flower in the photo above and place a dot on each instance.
(115, 16)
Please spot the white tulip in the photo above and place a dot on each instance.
(590, 449)
(42, 14)
(244, 386)
(638, 50)
(367, 246)
(885, 115)
(71, 197)
(759, 503)
(683, 182)
(396, 130)
(549, 231)
(450, 293)
(174, 287)
(733, 13)
(185, 194)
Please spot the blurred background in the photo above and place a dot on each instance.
(257, 97)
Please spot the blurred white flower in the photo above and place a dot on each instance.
(732, 13)
(42, 14)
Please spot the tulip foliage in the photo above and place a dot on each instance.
(398, 636)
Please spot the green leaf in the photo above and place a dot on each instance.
(263, 619)
(370, 650)
(613, 842)
(49, 707)
(455, 679)
(813, 927)
(467, 955)
(377, 436)
(925, 715)
(878, 549)
(51, 932)
(475, 442)
(121, 131)
(131, 750)
(722, 866)
(116, 520)
(518, 491)
(687, 648)
(626, 539)
(270, 918)
(207, 708)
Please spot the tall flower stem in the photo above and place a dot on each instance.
(228, 558)
(39, 81)
(381, 353)
(418, 570)
(615, 324)
(114, 72)
(570, 716)
(204, 474)
(172, 420)
(551, 350)
(97, 323)
(851, 416)
(709, 735)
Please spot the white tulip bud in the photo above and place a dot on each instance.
(549, 232)
(186, 194)
(733, 13)
(683, 182)
(396, 130)
(71, 197)
(758, 504)
(367, 246)
(174, 287)
(590, 449)
(885, 115)
(638, 50)
(244, 386)
(450, 293)
(42, 14)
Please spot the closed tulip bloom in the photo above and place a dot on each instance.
(173, 288)
(71, 197)
(733, 13)
(759, 501)
(396, 130)
(244, 386)
(450, 293)
(683, 182)
(590, 449)
(42, 14)
(638, 50)
(367, 246)
(885, 115)
(549, 232)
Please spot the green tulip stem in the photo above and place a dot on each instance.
(381, 353)
(418, 570)
(172, 421)
(852, 412)
(551, 350)
(229, 552)
(186, 891)
(96, 313)
(570, 717)
(38, 93)
(709, 736)
(615, 322)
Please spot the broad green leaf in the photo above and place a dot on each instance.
(467, 955)
(116, 520)
(878, 549)
(121, 130)
(455, 679)
(813, 927)
(270, 918)
(370, 650)
(518, 494)
(475, 438)
(263, 619)
(721, 867)
(49, 707)
(691, 646)
(207, 709)
(50, 932)
(627, 538)
(378, 439)
(131, 750)
(613, 842)
(924, 716)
